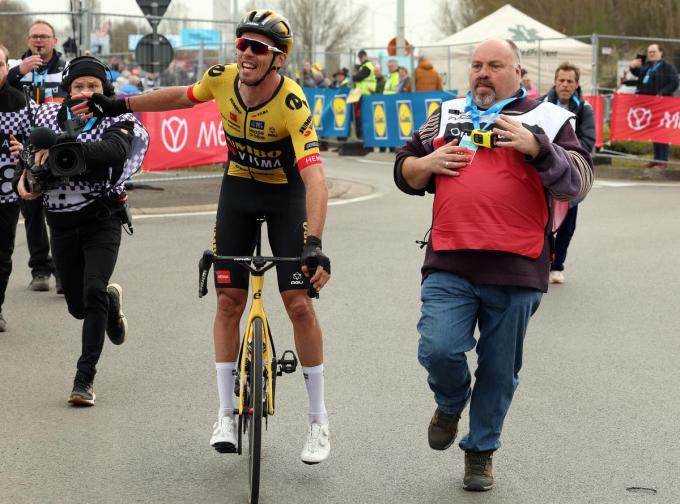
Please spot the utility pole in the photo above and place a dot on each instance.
(401, 44)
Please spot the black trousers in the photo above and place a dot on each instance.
(563, 239)
(85, 251)
(9, 216)
(38, 242)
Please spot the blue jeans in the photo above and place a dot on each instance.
(661, 151)
(451, 308)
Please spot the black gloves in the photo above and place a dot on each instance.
(103, 106)
(313, 257)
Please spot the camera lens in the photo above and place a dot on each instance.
(66, 159)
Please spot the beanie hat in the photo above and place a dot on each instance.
(83, 66)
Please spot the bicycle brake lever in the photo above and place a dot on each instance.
(204, 265)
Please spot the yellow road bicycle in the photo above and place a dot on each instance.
(257, 364)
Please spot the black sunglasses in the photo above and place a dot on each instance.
(258, 48)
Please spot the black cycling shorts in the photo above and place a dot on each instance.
(241, 202)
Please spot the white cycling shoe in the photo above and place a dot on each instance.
(224, 435)
(317, 445)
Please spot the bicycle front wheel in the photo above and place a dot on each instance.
(255, 403)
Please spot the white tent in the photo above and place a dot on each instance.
(543, 49)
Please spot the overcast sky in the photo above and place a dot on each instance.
(380, 21)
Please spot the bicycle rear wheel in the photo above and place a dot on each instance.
(255, 411)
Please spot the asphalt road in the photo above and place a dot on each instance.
(596, 411)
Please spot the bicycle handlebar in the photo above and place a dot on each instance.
(254, 264)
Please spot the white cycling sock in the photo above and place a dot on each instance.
(314, 382)
(225, 387)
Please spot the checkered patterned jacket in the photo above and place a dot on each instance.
(78, 193)
(14, 120)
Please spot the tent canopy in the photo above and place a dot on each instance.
(542, 48)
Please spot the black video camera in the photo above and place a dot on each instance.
(66, 158)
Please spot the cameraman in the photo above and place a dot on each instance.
(14, 123)
(85, 214)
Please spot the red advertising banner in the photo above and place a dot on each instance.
(183, 138)
(597, 102)
(645, 118)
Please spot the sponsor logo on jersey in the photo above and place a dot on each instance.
(311, 145)
(318, 110)
(233, 116)
(294, 102)
(306, 124)
(405, 114)
(257, 125)
(273, 132)
(223, 276)
(297, 279)
(256, 133)
(379, 120)
(339, 111)
(216, 71)
(256, 158)
(310, 159)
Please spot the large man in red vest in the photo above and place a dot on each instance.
(493, 161)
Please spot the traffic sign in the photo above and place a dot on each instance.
(154, 53)
(392, 47)
(149, 6)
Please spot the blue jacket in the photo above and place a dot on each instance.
(585, 121)
(662, 82)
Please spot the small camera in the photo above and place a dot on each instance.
(483, 138)
(642, 57)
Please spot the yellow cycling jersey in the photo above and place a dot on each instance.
(269, 143)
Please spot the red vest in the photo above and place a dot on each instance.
(497, 203)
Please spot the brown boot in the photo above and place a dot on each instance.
(478, 471)
(442, 430)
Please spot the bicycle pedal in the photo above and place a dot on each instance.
(287, 363)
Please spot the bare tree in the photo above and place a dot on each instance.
(651, 18)
(14, 28)
(326, 23)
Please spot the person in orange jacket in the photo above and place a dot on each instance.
(427, 78)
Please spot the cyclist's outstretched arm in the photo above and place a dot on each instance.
(158, 100)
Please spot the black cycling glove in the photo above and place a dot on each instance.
(103, 106)
(313, 257)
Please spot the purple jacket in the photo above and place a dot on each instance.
(565, 169)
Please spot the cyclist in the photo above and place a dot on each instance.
(274, 169)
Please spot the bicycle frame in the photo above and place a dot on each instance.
(257, 311)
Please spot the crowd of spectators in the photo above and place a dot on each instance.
(393, 79)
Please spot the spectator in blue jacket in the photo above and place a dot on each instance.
(566, 93)
(656, 76)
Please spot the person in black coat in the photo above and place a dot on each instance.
(40, 70)
(85, 214)
(566, 93)
(14, 125)
(658, 77)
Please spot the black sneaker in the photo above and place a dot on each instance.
(116, 326)
(82, 394)
(40, 283)
(3, 323)
(478, 471)
(442, 430)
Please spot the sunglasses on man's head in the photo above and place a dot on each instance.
(259, 48)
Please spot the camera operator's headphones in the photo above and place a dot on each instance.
(87, 66)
